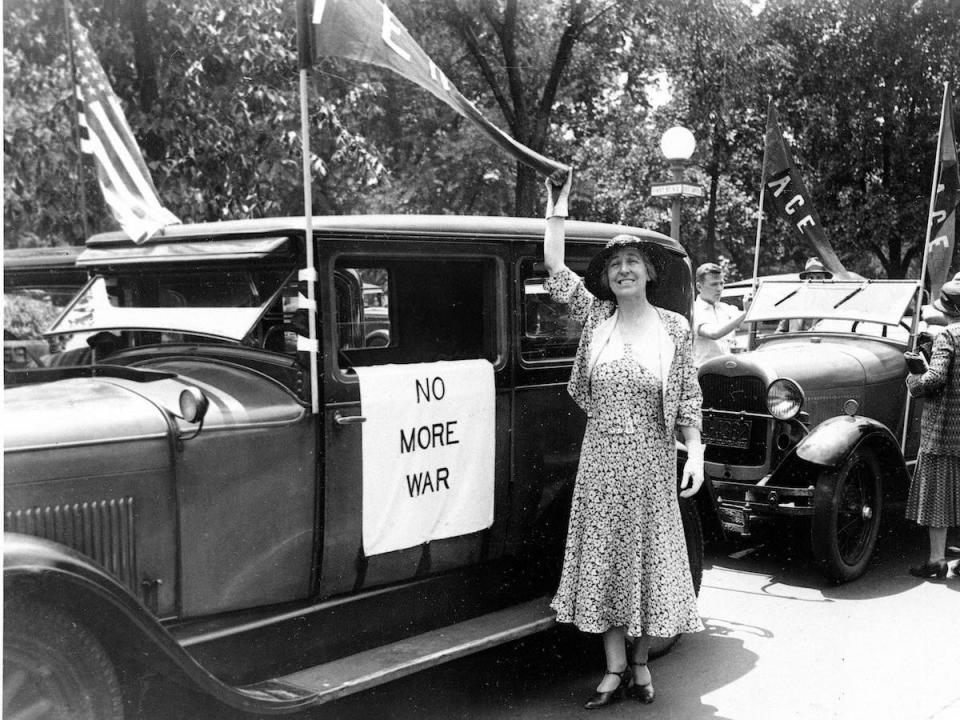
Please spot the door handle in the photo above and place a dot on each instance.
(340, 419)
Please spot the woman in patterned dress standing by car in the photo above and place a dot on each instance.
(934, 499)
(625, 570)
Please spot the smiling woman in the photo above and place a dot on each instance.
(625, 570)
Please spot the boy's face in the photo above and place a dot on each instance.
(710, 287)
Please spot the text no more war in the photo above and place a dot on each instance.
(428, 437)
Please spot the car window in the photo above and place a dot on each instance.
(177, 301)
(410, 310)
(548, 331)
(363, 308)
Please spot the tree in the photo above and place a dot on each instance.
(220, 134)
(867, 133)
(535, 65)
(718, 60)
(210, 90)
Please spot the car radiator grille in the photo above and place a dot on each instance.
(737, 393)
(103, 530)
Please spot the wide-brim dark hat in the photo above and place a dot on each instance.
(949, 301)
(655, 252)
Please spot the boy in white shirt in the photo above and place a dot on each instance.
(714, 322)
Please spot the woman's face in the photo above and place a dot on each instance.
(627, 273)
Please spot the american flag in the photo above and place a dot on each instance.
(105, 134)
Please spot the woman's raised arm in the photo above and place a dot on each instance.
(553, 237)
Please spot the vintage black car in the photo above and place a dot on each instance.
(816, 426)
(177, 512)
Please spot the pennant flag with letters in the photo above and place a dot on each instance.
(789, 196)
(105, 134)
(367, 31)
(942, 260)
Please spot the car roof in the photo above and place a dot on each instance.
(452, 227)
(40, 257)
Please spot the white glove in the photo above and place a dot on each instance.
(558, 207)
(692, 477)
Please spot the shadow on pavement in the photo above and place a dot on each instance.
(700, 664)
(786, 559)
(550, 675)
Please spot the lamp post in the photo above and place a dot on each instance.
(677, 145)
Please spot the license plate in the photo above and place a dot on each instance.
(726, 432)
(734, 520)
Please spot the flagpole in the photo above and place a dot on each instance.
(309, 273)
(76, 120)
(933, 201)
(915, 323)
(756, 247)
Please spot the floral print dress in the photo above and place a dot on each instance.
(625, 563)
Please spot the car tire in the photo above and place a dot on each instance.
(693, 534)
(847, 506)
(53, 667)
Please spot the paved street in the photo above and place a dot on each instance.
(779, 644)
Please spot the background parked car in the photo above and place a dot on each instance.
(37, 284)
(814, 429)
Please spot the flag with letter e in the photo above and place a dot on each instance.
(105, 134)
(789, 196)
(942, 262)
(366, 30)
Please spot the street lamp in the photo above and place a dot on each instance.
(677, 145)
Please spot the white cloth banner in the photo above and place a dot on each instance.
(428, 452)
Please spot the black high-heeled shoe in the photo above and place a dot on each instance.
(643, 693)
(602, 699)
(936, 569)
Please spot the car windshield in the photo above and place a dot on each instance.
(875, 301)
(214, 302)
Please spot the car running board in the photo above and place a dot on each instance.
(355, 673)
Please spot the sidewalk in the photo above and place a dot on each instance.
(781, 644)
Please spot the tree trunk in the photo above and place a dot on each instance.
(143, 52)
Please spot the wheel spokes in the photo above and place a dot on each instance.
(855, 514)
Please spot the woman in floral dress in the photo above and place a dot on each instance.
(625, 569)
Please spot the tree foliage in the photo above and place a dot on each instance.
(212, 94)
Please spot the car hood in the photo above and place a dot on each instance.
(125, 404)
(817, 362)
(85, 409)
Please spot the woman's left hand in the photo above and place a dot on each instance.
(692, 477)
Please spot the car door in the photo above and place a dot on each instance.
(440, 304)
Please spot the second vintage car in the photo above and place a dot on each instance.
(816, 427)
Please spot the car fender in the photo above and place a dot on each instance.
(831, 442)
(38, 570)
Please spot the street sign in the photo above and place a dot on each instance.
(674, 189)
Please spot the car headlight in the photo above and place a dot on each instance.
(784, 399)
